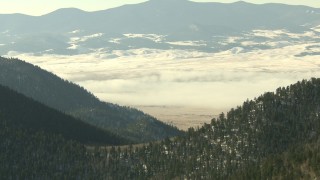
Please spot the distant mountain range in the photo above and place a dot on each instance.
(157, 24)
(71, 99)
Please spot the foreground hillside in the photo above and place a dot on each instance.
(265, 134)
(18, 111)
(76, 101)
(39, 155)
(275, 136)
(299, 162)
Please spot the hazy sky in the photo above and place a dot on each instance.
(39, 7)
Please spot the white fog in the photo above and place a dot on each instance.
(182, 87)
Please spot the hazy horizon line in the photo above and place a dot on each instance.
(90, 11)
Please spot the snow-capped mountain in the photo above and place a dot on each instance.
(162, 24)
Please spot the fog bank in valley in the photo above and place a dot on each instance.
(182, 86)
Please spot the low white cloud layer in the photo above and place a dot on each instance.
(177, 78)
(220, 80)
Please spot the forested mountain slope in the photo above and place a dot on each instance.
(65, 96)
(299, 162)
(267, 125)
(40, 155)
(275, 136)
(18, 111)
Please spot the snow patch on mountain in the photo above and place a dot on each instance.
(5, 32)
(154, 37)
(75, 31)
(317, 28)
(272, 34)
(115, 40)
(85, 38)
(74, 41)
(188, 43)
(73, 46)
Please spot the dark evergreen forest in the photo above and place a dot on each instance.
(76, 101)
(274, 136)
(21, 112)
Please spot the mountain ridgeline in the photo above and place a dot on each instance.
(20, 112)
(165, 17)
(274, 136)
(254, 141)
(74, 100)
(174, 20)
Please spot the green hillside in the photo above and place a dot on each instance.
(74, 100)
